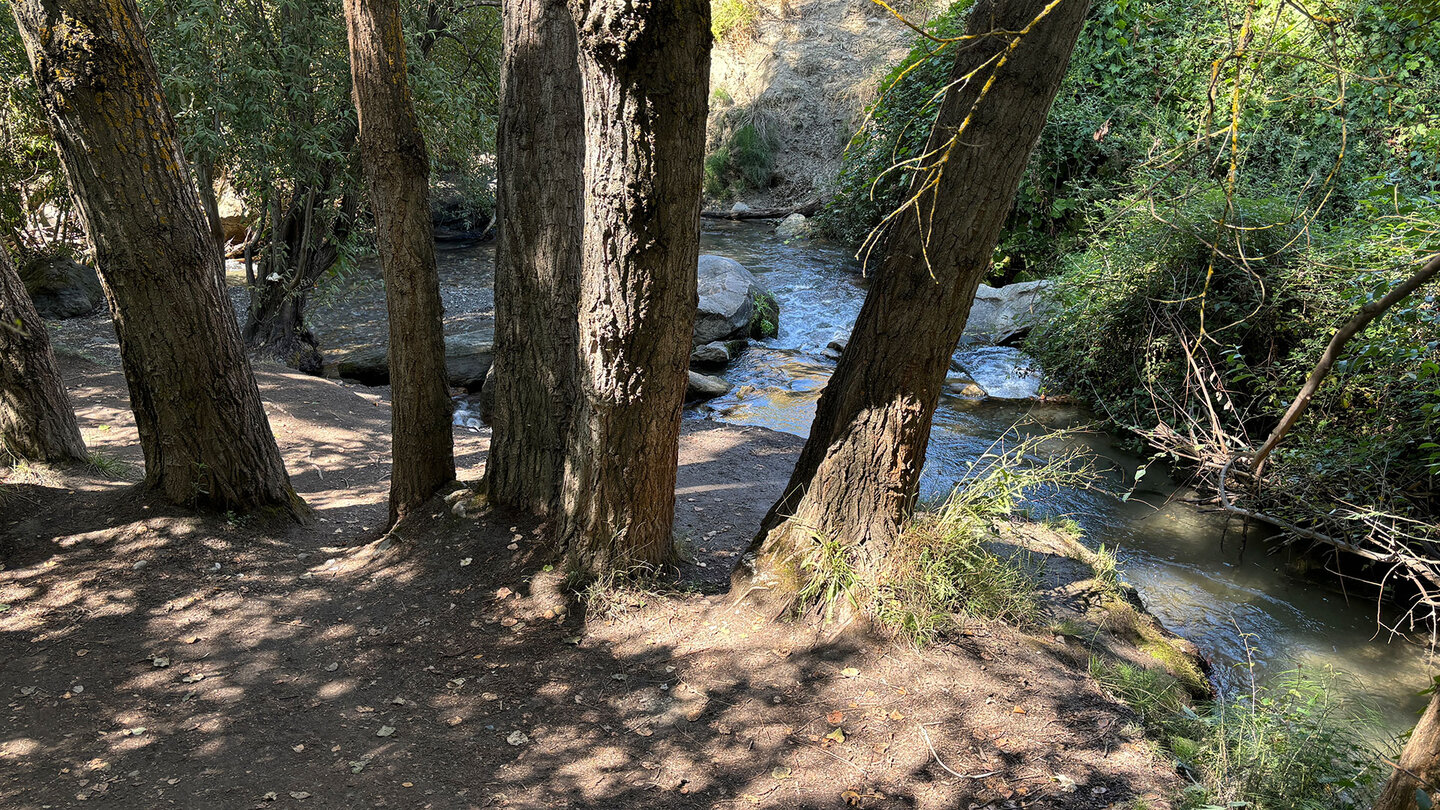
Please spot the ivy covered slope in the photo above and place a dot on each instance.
(1217, 189)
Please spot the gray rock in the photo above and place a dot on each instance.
(795, 226)
(733, 304)
(1000, 314)
(739, 208)
(467, 360)
(62, 288)
(703, 386)
(711, 355)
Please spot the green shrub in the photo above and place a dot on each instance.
(732, 18)
(1294, 744)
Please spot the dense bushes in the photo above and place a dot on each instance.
(1212, 208)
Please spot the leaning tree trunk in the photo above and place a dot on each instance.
(197, 408)
(36, 421)
(858, 474)
(645, 69)
(1419, 766)
(397, 170)
(539, 201)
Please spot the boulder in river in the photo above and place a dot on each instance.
(711, 355)
(795, 226)
(467, 359)
(703, 386)
(62, 288)
(733, 304)
(1001, 314)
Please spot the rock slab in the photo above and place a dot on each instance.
(1001, 314)
(62, 288)
(467, 360)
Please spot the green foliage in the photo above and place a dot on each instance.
(829, 578)
(1295, 744)
(1146, 101)
(1250, 297)
(745, 161)
(941, 572)
(730, 18)
(35, 207)
(944, 567)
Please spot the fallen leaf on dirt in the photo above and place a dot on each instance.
(270, 797)
(133, 732)
(896, 716)
(466, 561)
(837, 735)
(331, 667)
(194, 677)
(454, 721)
(298, 748)
(509, 621)
(835, 718)
(398, 701)
(385, 731)
(618, 676)
(160, 661)
(489, 696)
(781, 772)
(81, 653)
(77, 688)
(502, 593)
(407, 784)
(517, 738)
(850, 672)
(455, 683)
(299, 794)
(1018, 710)
(27, 690)
(358, 765)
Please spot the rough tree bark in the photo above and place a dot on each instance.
(539, 202)
(204, 433)
(397, 171)
(859, 471)
(1419, 769)
(36, 421)
(645, 69)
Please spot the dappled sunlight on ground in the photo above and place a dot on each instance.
(150, 656)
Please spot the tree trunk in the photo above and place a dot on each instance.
(539, 203)
(645, 70)
(197, 408)
(36, 421)
(1419, 769)
(304, 243)
(397, 171)
(205, 179)
(858, 474)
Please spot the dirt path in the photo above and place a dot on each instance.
(150, 658)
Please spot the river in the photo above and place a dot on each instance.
(1230, 596)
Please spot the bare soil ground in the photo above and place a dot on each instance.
(154, 658)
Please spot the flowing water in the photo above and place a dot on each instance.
(1214, 586)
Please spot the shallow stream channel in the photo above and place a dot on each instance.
(1196, 571)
